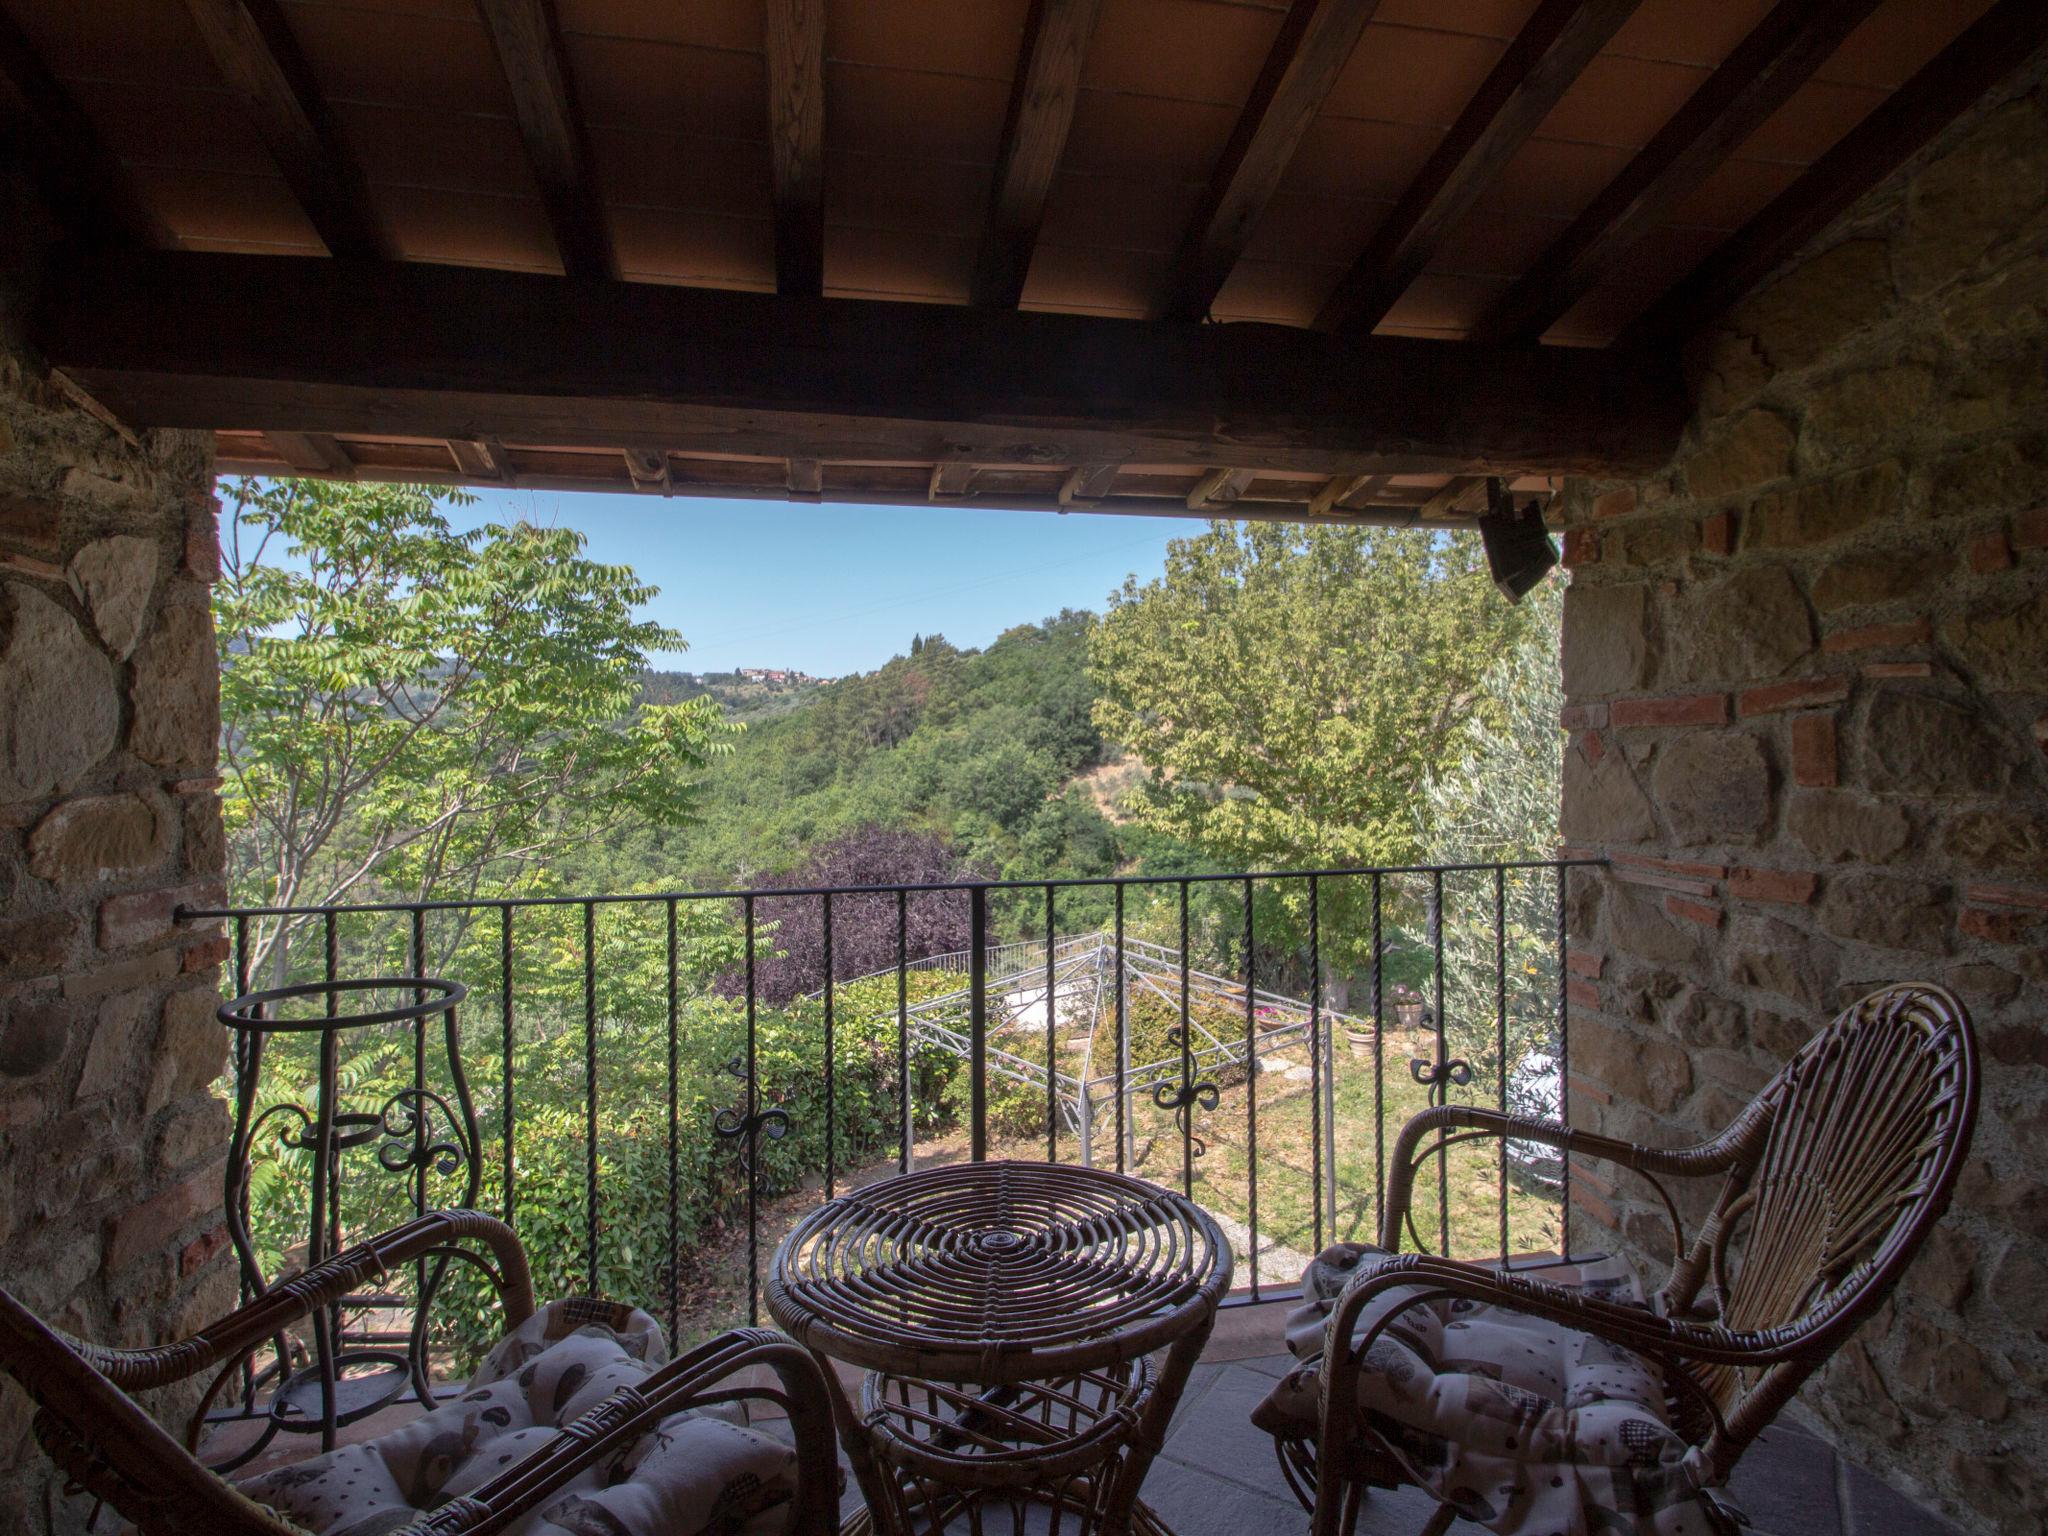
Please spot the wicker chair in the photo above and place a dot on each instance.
(1830, 1181)
(107, 1446)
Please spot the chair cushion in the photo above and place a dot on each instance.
(693, 1475)
(1523, 1424)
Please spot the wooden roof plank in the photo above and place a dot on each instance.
(404, 348)
(796, 137)
(1778, 56)
(528, 40)
(1043, 93)
(1997, 43)
(1539, 66)
(86, 187)
(252, 45)
(1316, 41)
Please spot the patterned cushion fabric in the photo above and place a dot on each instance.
(693, 1475)
(1523, 1425)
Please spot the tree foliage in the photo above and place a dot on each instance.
(412, 712)
(1290, 687)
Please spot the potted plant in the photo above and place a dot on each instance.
(1408, 1007)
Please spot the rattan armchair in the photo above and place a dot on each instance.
(107, 1446)
(1830, 1181)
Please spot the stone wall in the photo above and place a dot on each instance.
(1807, 679)
(111, 1140)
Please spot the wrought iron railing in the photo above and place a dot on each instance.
(1267, 1095)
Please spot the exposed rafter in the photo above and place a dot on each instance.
(1344, 491)
(1087, 484)
(314, 453)
(1042, 97)
(1953, 80)
(1539, 66)
(529, 45)
(253, 48)
(1452, 496)
(85, 186)
(1315, 42)
(482, 458)
(1778, 56)
(1219, 489)
(796, 139)
(362, 348)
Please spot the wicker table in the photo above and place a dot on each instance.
(1005, 1314)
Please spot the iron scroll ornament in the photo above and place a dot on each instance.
(1182, 1099)
(1438, 1076)
(736, 1123)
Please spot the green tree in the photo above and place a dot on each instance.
(415, 713)
(1289, 688)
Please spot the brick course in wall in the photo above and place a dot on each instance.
(1852, 548)
(110, 1132)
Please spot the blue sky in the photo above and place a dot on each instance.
(834, 589)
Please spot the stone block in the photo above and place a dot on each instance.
(1713, 787)
(114, 578)
(30, 522)
(1606, 642)
(1926, 745)
(1863, 577)
(1651, 543)
(1817, 304)
(1996, 477)
(36, 945)
(1638, 927)
(2005, 643)
(124, 1029)
(1648, 1069)
(192, 1047)
(195, 1132)
(1581, 547)
(59, 711)
(1824, 510)
(1765, 953)
(176, 691)
(2030, 529)
(34, 1034)
(1602, 801)
(1755, 449)
(1887, 911)
(113, 976)
(98, 837)
(1752, 623)
(1970, 201)
(1868, 408)
(2002, 841)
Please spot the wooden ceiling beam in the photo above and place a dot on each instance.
(528, 41)
(252, 46)
(1539, 66)
(481, 458)
(312, 453)
(258, 343)
(1316, 41)
(1218, 490)
(1986, 51)
(796, 139)
(1344, 491)
(1778, 56)
(85, 186)
(1042, 96)
(648, 470)
(805, 479)
(950, 481)
(1087, 484)
(1447, 497)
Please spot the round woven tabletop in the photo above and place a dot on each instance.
(998, 1272)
